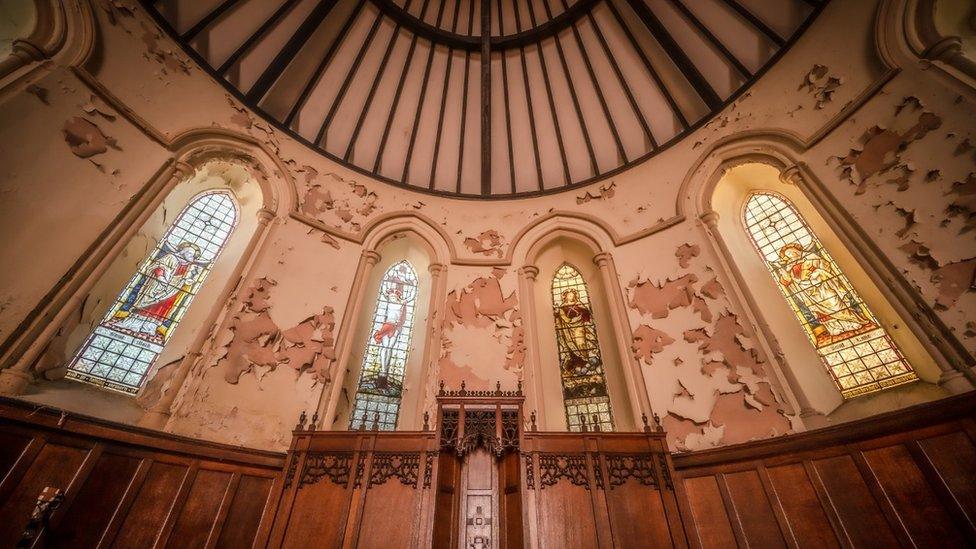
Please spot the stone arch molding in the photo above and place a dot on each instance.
(64, 31)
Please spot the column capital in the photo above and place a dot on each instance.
(27, 50)
(265, 216)
(791, 175)
(602, 259)
(371, 257)
(183, 169)
(945, 50)
(528, 272)
(709, 218)
(436, 268)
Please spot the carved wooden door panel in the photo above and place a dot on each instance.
(479, 527)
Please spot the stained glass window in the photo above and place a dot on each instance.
(387, 348)
(580, 364)
(120, 350)
(859, 354)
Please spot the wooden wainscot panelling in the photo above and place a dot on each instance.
(906, 478)
(128, 487)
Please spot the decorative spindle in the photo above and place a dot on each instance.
(376, 422)
(315, 421)
(657, 423)
(532, 426)
(462, 392)
(647, 428)
(583, 427)
(519, 392)
(362, 424)
(301, 421)
(426, 421)
(596, 423)
(498, 387)
(441, 393)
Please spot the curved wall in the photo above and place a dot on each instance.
(882, 145)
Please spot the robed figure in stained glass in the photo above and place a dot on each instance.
(580, 363)
(822, 295)
(149, 308)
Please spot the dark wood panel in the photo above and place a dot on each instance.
(954, 457)
(55, 465)
(566, 516)
(84, 521)
(637, 513)
(389, 515)
(307, 519)
(805, 517)
(153, 501)
(710, 517)
(862, 518)
(246, 510)
(753, 511)
(12, 446)
(199, 513)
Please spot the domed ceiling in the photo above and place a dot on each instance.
(486, 98)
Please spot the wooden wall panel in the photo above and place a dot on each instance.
(861, 516)
(566, 517)
(127, 487)
(248, 504)
(805, 518)
(308, 521)
(953, 458)
(389, 516)
(710, 518)
(750, 506)
(637, 513)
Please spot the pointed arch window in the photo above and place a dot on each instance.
(857, 351)
(580, 363)
(387, 350)
(121, 349)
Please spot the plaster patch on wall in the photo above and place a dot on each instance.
(255, 344)
(486, 243)
(482, 336)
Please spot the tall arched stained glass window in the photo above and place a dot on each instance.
(858, 352)
(580, 364)
(387, 349)
(123, 346)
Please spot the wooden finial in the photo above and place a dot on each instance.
(315, 420)
(532, 419)
(362, 424)
(301, 421)
(442, 387)
(426, 421)
(462, 387)
(647, 428)
(498, 387)
(657, 423)
(596, 423)
(376, 422)
(519, 392)
(583, 426)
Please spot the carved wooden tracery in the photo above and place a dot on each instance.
(621, 467)
(553, 467)
(334, 465)
(405, 466)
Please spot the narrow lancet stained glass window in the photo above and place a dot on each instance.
(385, 359)
(120, 350)
(580, 363)
(859, 354)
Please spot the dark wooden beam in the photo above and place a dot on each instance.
(289, 51)
(485, 96)
(677, 55)
(704, 30)
(196, 29)
(257, 36)
(756, 22)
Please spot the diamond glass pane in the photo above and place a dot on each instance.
(859, 354)
(124, 345)
(580, 364)
(385, 359)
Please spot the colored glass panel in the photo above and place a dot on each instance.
(124, 345)
(580, 364)
(857, 351)
(387, 349)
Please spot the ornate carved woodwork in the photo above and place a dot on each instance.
(529, 472)
(429, 467)
(334, 465)
(640, 467)
(553, 467)
(403, 466)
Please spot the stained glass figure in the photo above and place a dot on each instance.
(580, 364)
(859, 354)
(387, 349)
(120, 350)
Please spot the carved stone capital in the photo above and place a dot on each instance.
(529, 272)
(183, 170)
(602, 259)
(371, 257)
(945, 50)
(436, 269)
(791, 176)
(27, 51)
(265, 216)
(710, 218)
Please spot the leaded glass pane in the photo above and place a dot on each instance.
(121, 349)
(859, 354)
(580, 364)
(385, 359)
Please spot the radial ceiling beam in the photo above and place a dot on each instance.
(288, 52)
(756, 22)
(257, 36)
(674, 51)
(485, 97)
(207, 20)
